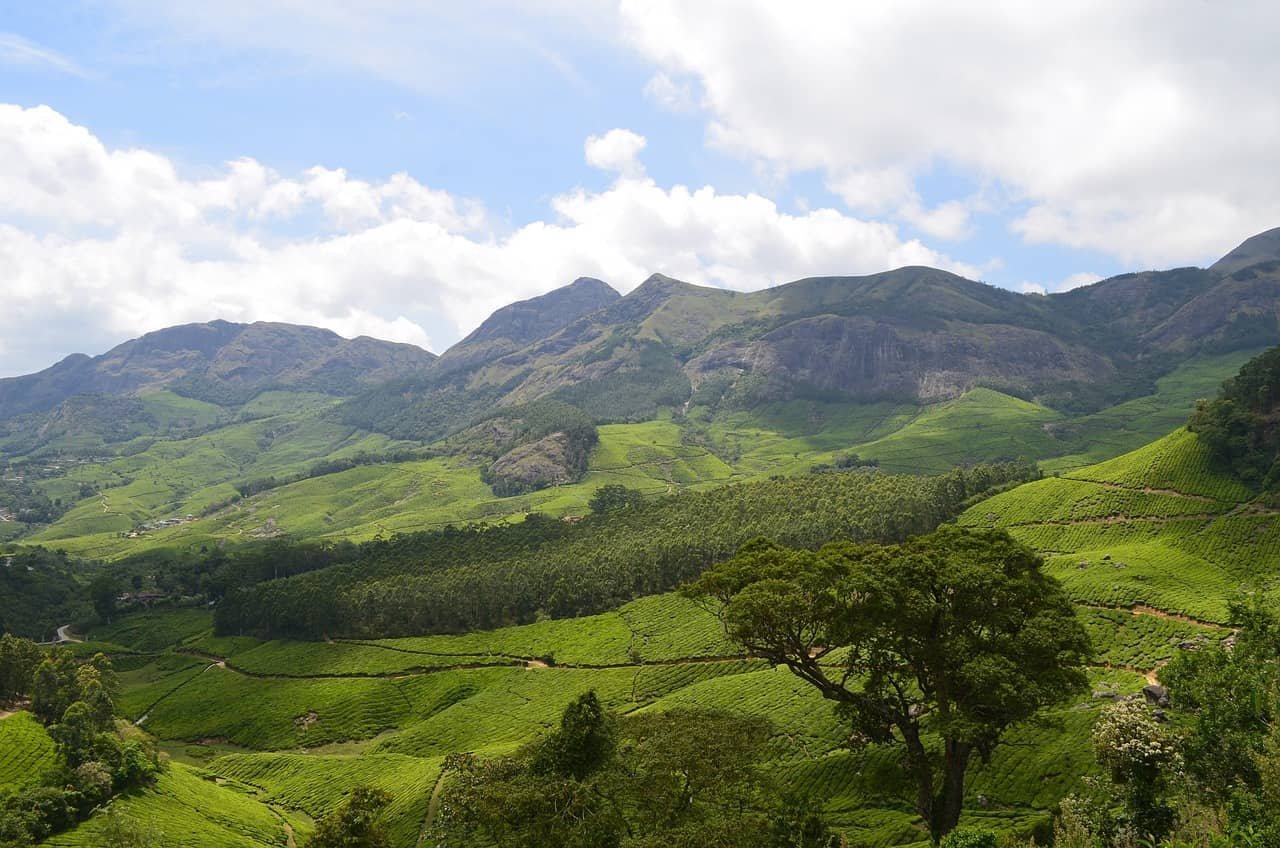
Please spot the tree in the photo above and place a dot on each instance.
(355, 822)
(18, 661)
(614, 497)
(1226, 699)
(583, 743)
(681, 778)
(103, 591)
(958, 634)
(1144, 763)
(76, 733)
(53, 687)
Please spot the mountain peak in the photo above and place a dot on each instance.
(218, 361)
(526, 321)
(1264, 247)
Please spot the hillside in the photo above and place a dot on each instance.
(914, 335)
(426, 645)
(225, 432)
(218, 362)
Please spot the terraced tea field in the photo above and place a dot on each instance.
(25, 750)
(1157, 529)
(283, 434)
(287, 727)
(1151, 545)
(189, 807)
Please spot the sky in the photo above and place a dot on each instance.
(401, 168)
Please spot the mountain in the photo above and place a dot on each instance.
(1264, 247)
(218, 362)
(916, 334)
(526, 321)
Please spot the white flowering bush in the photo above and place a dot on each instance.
(1132, 745)
(1145, 764)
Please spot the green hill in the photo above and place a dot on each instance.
(1158, 528)
(258, 431)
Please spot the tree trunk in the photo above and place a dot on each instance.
(921, 769)
(950, 800)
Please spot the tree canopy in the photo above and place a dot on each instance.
(957, 634)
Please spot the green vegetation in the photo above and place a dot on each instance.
(957, 634)
(1238, 427)
(26, 751)
(457, 580)
(675, 777)
(39, 591)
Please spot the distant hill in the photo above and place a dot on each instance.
(915, 334)
(524, 322)
(268, 429)
(219, 362)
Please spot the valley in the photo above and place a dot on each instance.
(313, 564)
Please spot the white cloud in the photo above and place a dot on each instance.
(1144, 129)
(100, 244)
(1072, 281)
(673, 96)
(18, 51)
(617, 150)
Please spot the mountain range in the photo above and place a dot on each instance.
(914, 332)
(916, 368)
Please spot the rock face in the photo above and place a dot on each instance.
(863, 357)
(537, 465)
(220, 362)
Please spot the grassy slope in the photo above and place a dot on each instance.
(189, 807)
(25, 751)
(387, 711)
(287, 437)
(1156, 527)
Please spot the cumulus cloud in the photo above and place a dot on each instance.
(99, 244)
(1072, 281)
(617, 150)
(1144, 129)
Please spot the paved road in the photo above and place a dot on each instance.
(64, 635)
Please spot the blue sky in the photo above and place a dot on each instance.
(975, 143)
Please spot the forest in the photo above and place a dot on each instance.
(456, 580)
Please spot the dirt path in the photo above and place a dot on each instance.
(4, 714)
(1143, 609)
(288, 834)
(1147, 490)
(433, 809)
(64, 634)
(146, 714)
(1125, 519)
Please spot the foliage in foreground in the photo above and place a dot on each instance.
(97, 759)
(1239, 426)
(678, 778)
(1206, 772)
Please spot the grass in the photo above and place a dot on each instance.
(1130, 425)
(151, 631)
(26, 751)
(980, 426)
(316, 784)
(187, 807)
(1157, 527)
